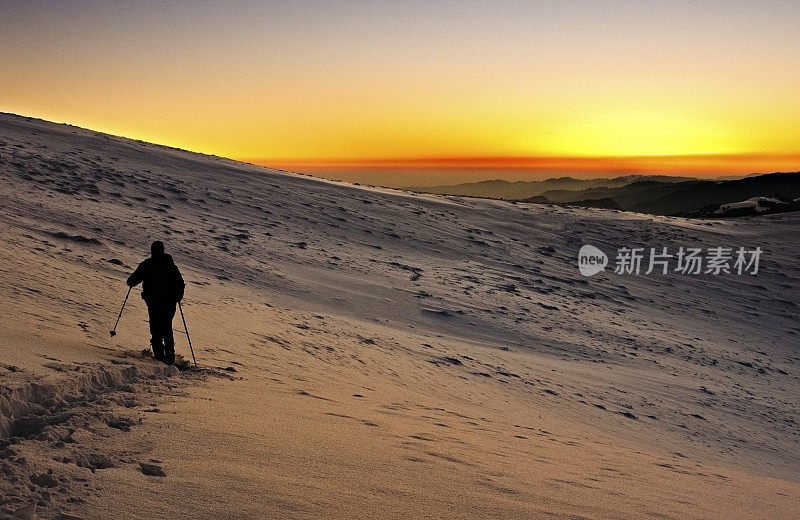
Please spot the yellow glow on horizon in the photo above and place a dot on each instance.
(639, 133)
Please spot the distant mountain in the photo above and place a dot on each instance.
(760, 194)
(516, 190)
(638, 187)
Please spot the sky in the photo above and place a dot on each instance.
(587, 87)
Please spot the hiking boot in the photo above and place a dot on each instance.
(158, 351)
(169, 358)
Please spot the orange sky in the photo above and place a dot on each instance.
(593, 87)
(438, 171)
(699, 164)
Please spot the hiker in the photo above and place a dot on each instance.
(162, 289)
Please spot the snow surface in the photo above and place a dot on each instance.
(373, 353)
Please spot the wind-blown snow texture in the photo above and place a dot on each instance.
(699, 367)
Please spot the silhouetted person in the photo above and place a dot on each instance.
(162, 289)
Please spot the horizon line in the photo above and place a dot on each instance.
(661, 164)
(710, 163)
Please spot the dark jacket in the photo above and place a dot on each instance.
(160, 278)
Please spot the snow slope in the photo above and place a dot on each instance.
(376, 353)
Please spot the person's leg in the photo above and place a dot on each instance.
(156, 328)
(169, 340)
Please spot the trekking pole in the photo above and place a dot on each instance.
(187, 334)
(114, 332)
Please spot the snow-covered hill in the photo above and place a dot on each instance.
(445, 337)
